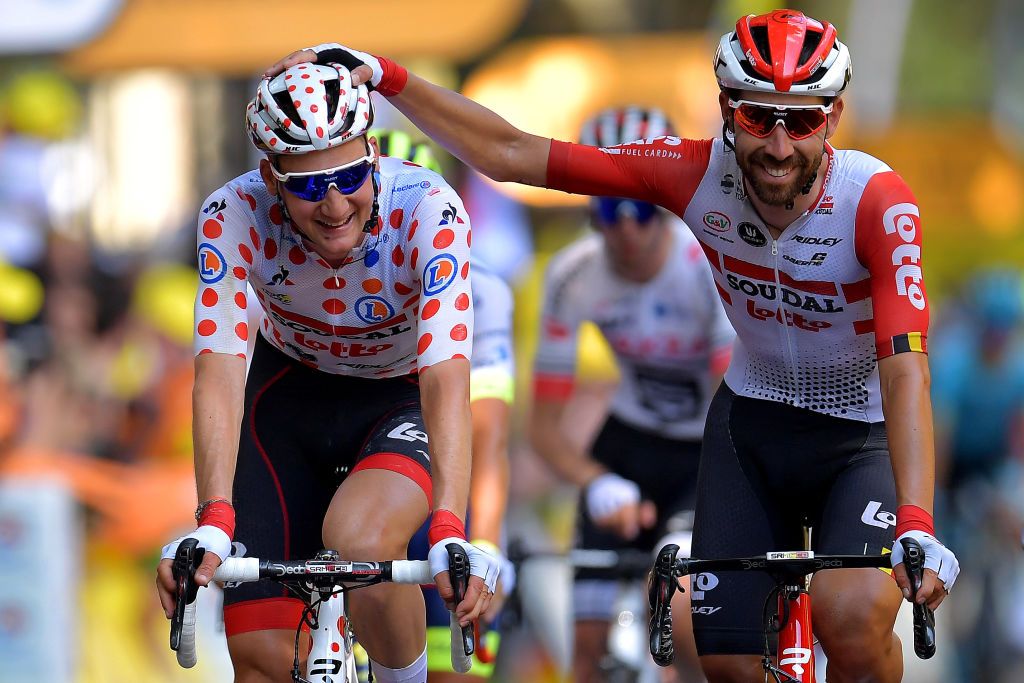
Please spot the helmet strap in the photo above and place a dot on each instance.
(727, 136)
(371, 222)
(288, 216)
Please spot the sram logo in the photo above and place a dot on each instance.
(900, 219)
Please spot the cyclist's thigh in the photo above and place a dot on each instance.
(265, 656)
(735, 517)
(388, 494)
(280, 492)
(858, 518)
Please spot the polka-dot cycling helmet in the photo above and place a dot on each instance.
(308, 107)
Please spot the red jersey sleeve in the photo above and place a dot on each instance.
(664, 170)
(888, 243)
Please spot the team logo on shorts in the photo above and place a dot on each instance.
(212, 266)
(374, 309)
(439, 272)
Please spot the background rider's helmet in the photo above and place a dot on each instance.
(308, 107)
(783, 52)
(618, 125)
(996, 299)
(400, 145)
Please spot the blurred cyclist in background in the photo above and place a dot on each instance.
(978, 391)
(824, 418)
(491, 389)
(643, 281)
(361, 265)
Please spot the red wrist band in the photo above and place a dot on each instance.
(913, 518)
(444, 524)
(394, 78)
(221, 515)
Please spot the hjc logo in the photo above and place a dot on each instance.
(211, 264)
(900, 219)
(701, 584)
(439, 273)
(373, 309)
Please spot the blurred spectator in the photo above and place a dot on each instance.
(977, 363)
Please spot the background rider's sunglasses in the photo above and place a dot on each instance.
(314, 185)
(800, 121)
(610, 210)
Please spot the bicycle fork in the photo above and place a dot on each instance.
(331, 659)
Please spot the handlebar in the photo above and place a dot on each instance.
(323, 572)
(668, 568)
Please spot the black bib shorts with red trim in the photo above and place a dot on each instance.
(768, 469)
(302, 433)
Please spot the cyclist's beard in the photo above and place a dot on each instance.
(777, 195)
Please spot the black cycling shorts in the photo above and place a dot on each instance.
(303, 431)
(766, 470)
(666, 472)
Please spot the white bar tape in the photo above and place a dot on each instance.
(238, 570)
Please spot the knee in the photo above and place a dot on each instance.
(369, 539)
(261, 658)
(732, 668)
(854, 631)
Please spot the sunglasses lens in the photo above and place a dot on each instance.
(611, 210)
(313, 188)
(761, 121)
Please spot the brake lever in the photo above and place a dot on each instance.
(186, 562)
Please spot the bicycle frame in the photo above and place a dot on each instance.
(796, 637)
(331, 652)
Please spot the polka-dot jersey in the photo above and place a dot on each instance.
(401, 304)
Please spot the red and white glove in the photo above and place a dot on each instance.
(914, 522)
(215, 531)
(389, 78)
(445, 528)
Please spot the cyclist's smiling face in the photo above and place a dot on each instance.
(777, 167)
(332, 226)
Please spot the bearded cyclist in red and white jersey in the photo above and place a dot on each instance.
(824, 417)
(361, 266)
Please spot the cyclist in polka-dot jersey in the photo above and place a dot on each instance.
(361, 266)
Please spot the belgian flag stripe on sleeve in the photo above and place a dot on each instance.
(911, 341)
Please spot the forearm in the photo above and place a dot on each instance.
(569, 461)
(473, 133)
(217, 404)
(444, 395)
(906, 404)
(489, 490)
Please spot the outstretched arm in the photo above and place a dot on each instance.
(470, 131)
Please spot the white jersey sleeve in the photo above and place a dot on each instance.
(224, 260)
(554, 364)
(439, 239)
(492, 369)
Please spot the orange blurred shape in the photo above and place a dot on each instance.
(140, 506)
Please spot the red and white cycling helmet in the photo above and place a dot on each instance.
(308, 107)
(783, 52)
(619, 125)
